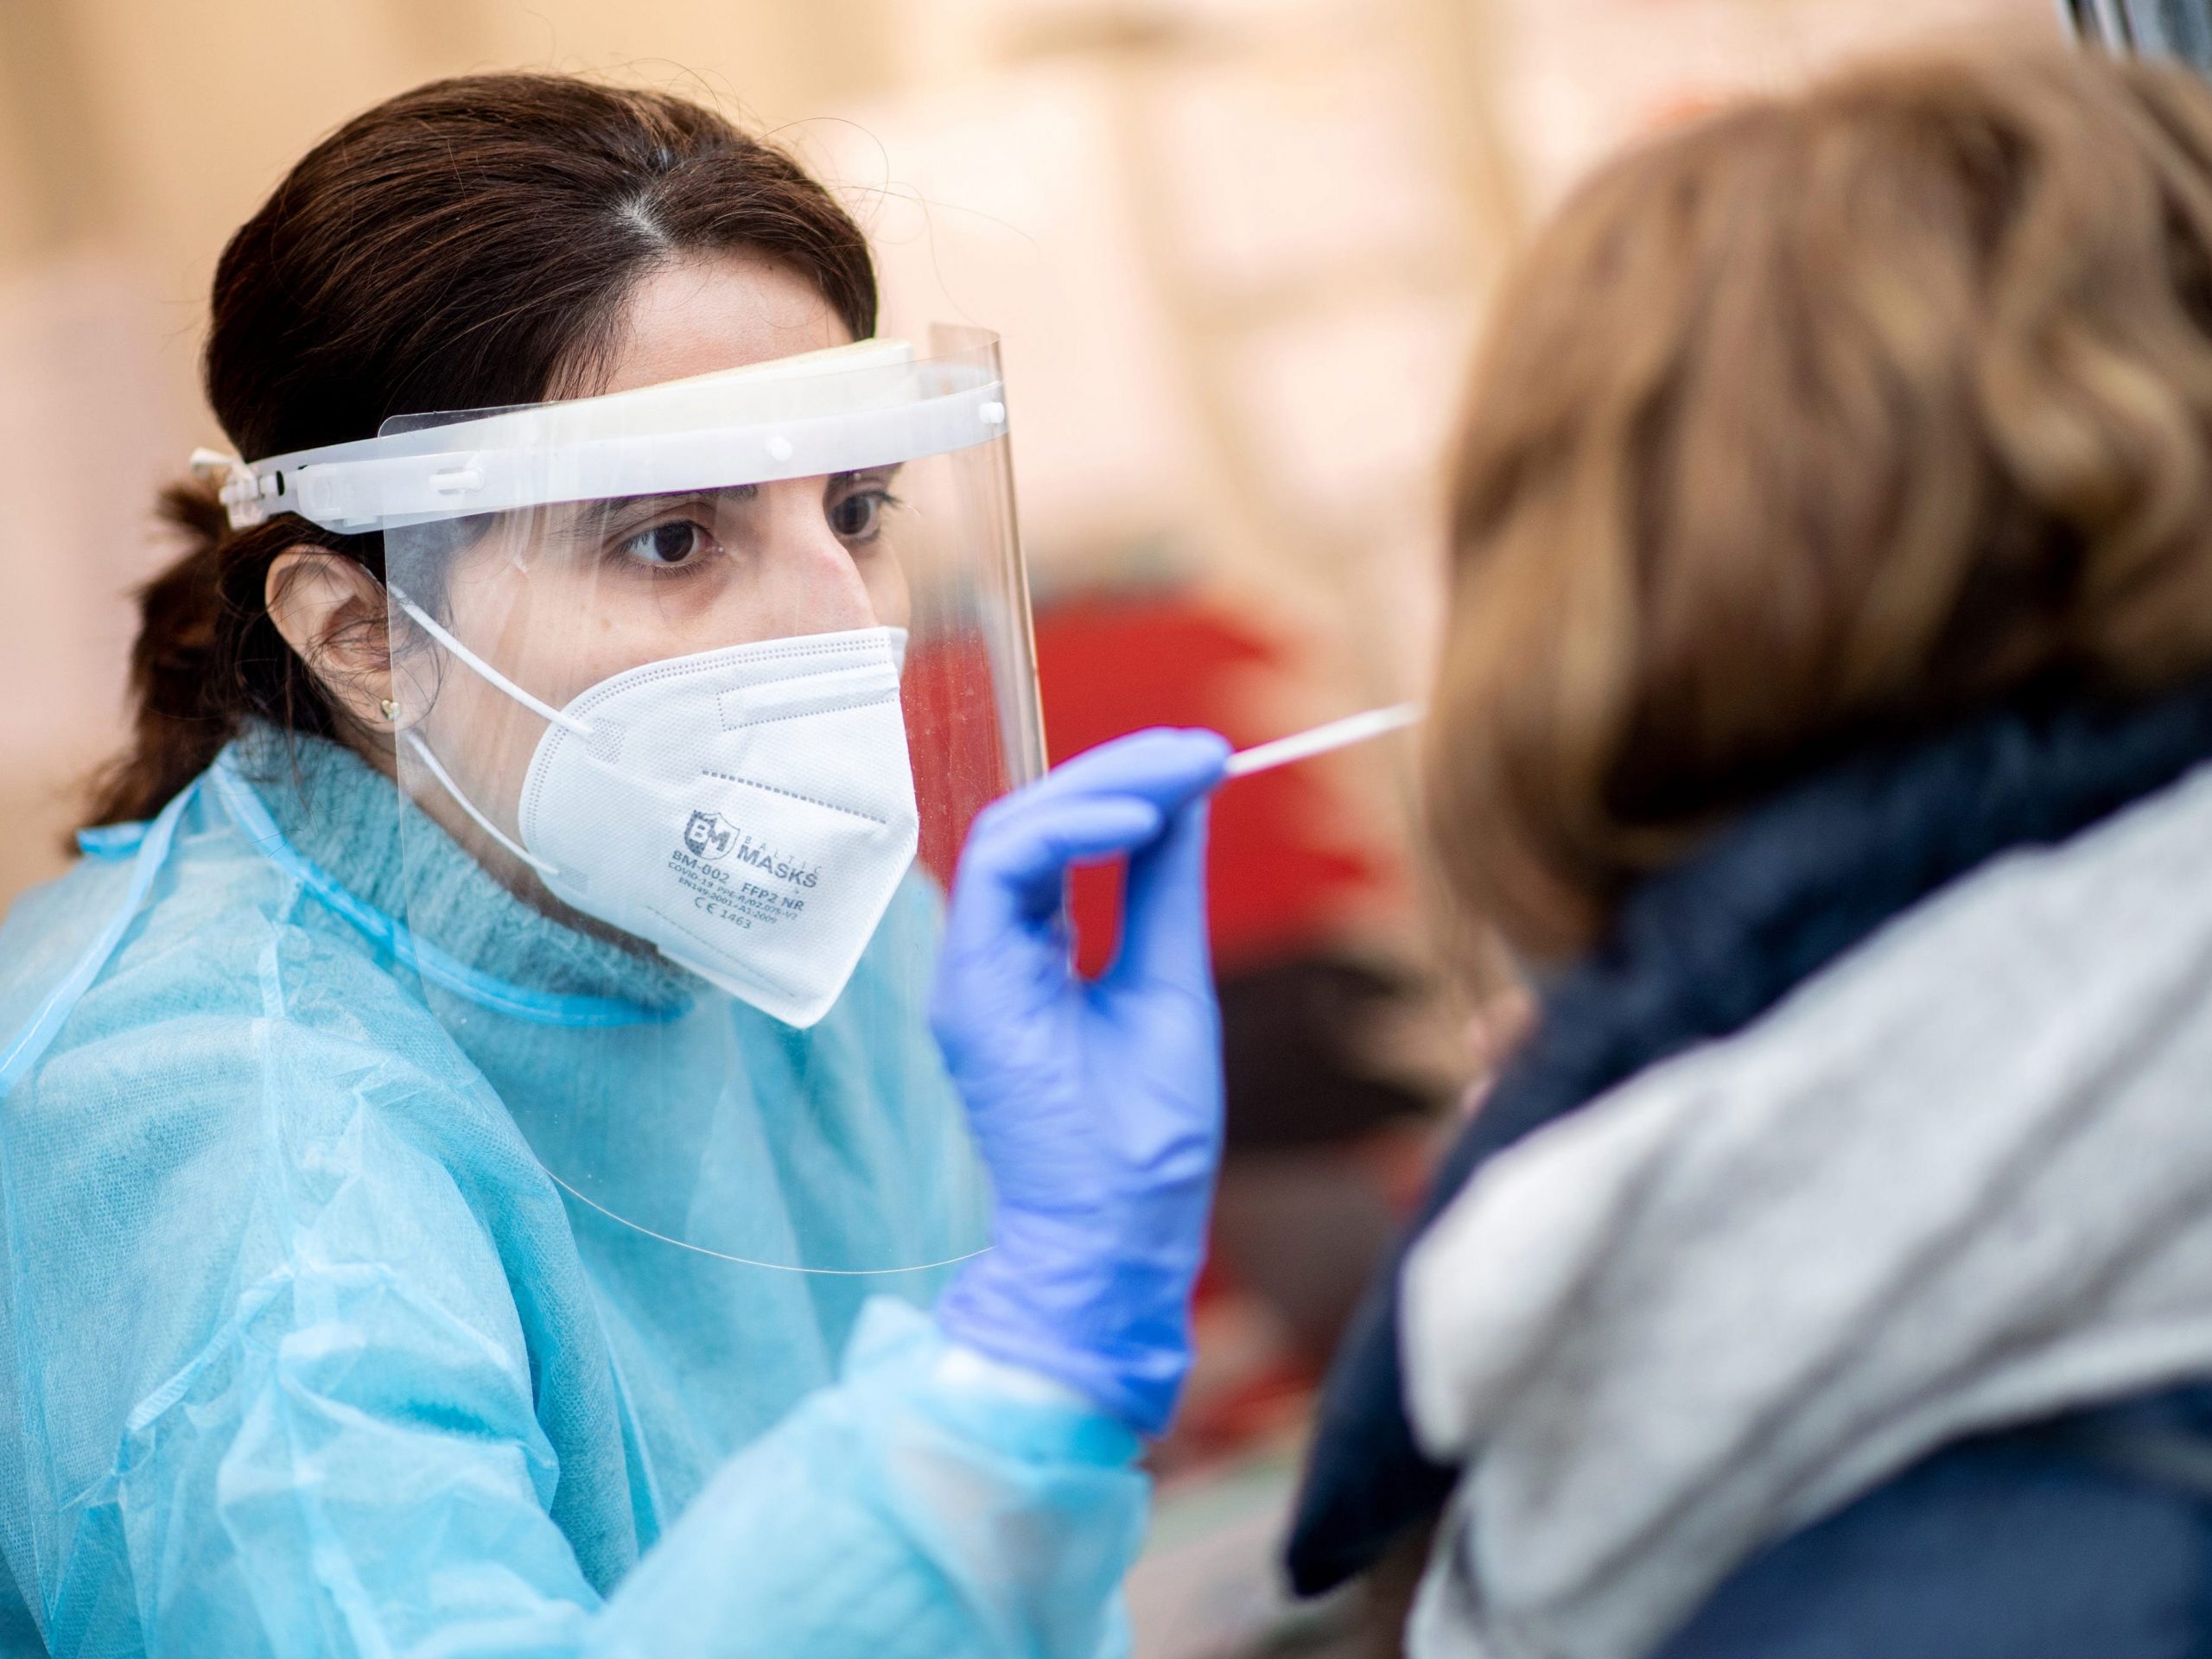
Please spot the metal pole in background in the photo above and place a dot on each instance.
(2169, 28)
(2178, 28)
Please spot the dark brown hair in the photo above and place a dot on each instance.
(1831, 418)
(464, 245)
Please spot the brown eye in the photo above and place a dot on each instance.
(677, 542)
(858, 517)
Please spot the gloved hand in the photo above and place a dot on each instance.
(1097, 1107)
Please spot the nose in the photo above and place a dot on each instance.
(809, 578)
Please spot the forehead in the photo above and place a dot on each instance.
(703, 313)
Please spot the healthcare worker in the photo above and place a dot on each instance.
(478, 1173)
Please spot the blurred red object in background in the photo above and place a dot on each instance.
(1276, 883)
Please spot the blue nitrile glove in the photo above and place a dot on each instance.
(1096, 1106)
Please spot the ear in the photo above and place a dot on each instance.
(331, 611)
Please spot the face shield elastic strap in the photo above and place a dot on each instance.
(842, 411)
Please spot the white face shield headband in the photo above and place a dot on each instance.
(846, 409)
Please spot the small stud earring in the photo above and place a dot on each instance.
(391, 709)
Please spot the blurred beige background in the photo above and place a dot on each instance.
(1238, 249)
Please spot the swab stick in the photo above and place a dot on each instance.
(1337, 734)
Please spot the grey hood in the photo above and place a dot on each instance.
(1959, 1181)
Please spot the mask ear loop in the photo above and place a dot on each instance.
(493, 677)
(422, 753)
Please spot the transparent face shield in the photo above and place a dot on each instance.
(695, 690)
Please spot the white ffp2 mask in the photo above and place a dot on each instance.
(749, 811)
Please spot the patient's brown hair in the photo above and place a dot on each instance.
(1822, 421)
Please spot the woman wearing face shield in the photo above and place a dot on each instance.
(480, 1172)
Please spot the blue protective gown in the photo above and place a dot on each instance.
(309, 1355)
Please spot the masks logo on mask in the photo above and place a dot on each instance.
(731, 898)
(708, 836)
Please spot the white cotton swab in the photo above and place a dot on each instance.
(1337, 734)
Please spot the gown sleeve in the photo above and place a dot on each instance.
(372, 1480)
(906, 1511)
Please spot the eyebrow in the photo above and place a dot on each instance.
(606, 508)
(592, 516)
